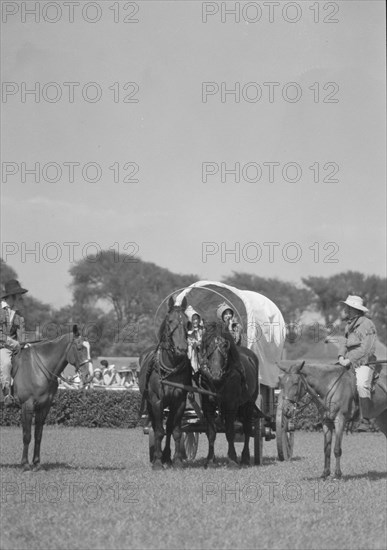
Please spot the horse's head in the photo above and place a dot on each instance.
(215, 349)
(173, 330)
(78, 355)
(292, 387)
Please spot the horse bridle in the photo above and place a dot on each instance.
(222, 345)
(50, 375)
(168, 337)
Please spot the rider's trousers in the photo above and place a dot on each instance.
(5, 367)
(363, 380)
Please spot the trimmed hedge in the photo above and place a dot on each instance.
(111, 409)
(88, 409)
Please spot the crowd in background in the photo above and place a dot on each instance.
(107, 376)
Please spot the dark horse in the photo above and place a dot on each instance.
(35, 372)
(333, 390)
(167, 363)
(219, 358)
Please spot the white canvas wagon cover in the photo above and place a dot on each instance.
(262, 322)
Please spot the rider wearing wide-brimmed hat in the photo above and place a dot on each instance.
(358, 349)
(12, 333)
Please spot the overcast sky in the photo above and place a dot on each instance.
(323, 119)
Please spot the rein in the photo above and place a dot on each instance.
(322, 404)
(51, 375)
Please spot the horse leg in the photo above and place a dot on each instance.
(229, 417)
(381, 422)
(247, 426)
(26, 418)
(177, 433)
(339, 432)
(327, 430)
(158, 427)
(166, 456)
(209, 415)
(40, 418)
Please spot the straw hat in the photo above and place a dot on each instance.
(356, 302)
(125, 369)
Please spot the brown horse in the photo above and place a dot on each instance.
(36, 371)
(333, 389)
(167, 363)
(219, 358)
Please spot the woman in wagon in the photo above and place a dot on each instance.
(194, 336)
(358, 349)
(226, 314)
(12, 333)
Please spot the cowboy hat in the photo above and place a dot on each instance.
(12, 287)
(222, 308)
(356, 302)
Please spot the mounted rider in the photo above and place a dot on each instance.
(12, 333)
(358, 350)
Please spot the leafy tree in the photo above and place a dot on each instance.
(126, 289)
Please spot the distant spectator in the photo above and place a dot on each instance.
(125, 377)
(108, 373)
(98, 377)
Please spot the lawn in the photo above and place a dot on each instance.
(97, 490)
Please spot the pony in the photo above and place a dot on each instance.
(36, 370)
(333, 389)
(220, 363)
(167, 363)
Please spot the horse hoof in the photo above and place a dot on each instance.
(337, 476)
(232, 464)
(325, 476)
(177, 464)
(36, 468)
(156, 466)
(26, 468)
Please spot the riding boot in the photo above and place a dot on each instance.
(8, 397)
(365, 407)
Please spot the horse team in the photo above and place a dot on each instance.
(166, 377)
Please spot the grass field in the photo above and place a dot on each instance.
(97, 490)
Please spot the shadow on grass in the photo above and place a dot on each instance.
(48, 466)
(371, 476)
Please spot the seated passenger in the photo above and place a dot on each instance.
(226, 314)
(194, 338)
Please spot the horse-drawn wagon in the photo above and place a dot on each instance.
(263, 333)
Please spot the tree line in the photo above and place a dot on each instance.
(114, 300)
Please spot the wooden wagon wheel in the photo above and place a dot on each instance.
(189, 445)
(285, 437)
(258, 442)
